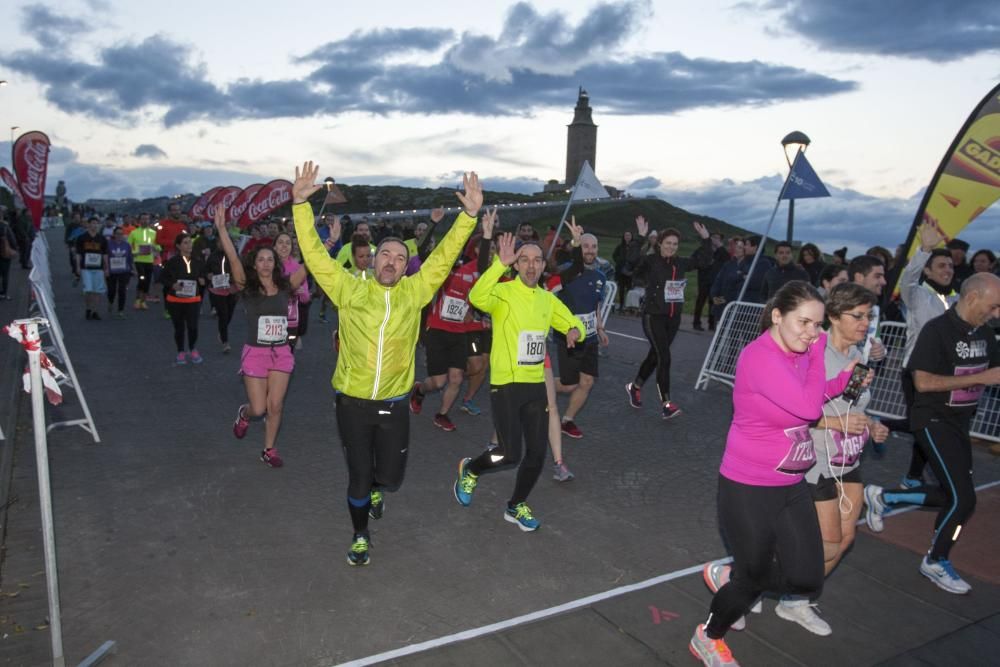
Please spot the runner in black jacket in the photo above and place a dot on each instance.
(665, 276)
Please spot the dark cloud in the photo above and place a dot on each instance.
(49, 29)
(149, 150)
(647, 183)
(536, 62)
(938, 31)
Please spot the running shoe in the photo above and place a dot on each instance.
(322, 318)
(143, 306)
(416, 399)
(874, 508)
(716, 575)
(911, 482)
(226, 348)
(271, 458)
(137, 304)
(943, 574)
(378, 505)
(358, 555)
(465, 484)
(670, 410)
(95, 316)
(711, 652)
(522, 516)
(570, 429)
(444, 423)
(634, 395)
(561, 473)
(241, 424)
(803, 612)
(471, 408)
(121, 315)
(196, 357)
(181, 359)
(698, 327)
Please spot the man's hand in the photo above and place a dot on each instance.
(334, 229)
(877, 353)
(575, 230)
(490, 218)
(305, 182)
(505, 249)
(641, 225)
(437, 215)
(880, 432)
(931, 235)
(472, 198)
(572, 336)
(701, 229)
(603, 338)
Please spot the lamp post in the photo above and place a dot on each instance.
(328, 183)
(801, 142)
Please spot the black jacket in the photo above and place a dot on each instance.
(658, 271)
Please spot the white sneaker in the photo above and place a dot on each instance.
(874, 508)
(711, 652)
(803, 613)
(943, 574)
(716, 575)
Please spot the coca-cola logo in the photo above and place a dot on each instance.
(36, 159)
(275, 198)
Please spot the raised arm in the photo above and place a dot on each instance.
(481, 295)
(239, 275)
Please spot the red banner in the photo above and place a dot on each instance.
(272, 196)
(242, 201)
(197, 211)
(31, 164)
(11, 182)
(224, 198)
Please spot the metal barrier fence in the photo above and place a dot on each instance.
(740, 324)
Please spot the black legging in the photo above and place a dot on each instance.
(145, 272)
(773, 534)
(703, 299)
(4, 275)
(945, 444)
(375, 436)
(184, 316)
(225, 306)
(519, 411)
(624, 285)
(660, 331)
(118, 287)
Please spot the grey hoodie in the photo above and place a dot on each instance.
(922, 303)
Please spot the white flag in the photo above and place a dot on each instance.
(587, 186)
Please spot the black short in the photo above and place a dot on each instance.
(826, 487)
(479, 341)
(445, 349)
(572, 362)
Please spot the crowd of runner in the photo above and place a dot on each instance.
(483, 305)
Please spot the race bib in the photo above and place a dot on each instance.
(589, 323)
(800, 456)
(673, 290)
(185, 288)
(145, 249)
(969, 395)
(272, 329)
(92, 260)
(849, 447)
(220, 281)
(118, 264)
(452, 309)
(530, 348)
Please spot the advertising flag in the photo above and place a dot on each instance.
(11, 182)
(239, 205)
(197, 211)
(224, 198)
(803, 183)
(967, 181)
(587, 186)
(31, 164)
(269, 198)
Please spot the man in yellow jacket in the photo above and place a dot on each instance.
(379, 324)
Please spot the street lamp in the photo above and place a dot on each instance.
(800, 141)
(3, 82)
(328, 182)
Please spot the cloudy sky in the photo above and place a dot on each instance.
(692, 99)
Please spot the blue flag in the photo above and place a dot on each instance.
(803, 183)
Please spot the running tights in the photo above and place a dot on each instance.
(520, 411)
(225, 306)
(145, 272)
(660, 330)
(185, 318)
(774, 536)
(117, 288)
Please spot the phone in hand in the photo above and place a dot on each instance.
(853, 389)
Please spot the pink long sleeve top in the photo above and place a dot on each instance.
(776, 396)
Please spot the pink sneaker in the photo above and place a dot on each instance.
(181, 359)
(196, 357)
(271, 458)
(241, 424)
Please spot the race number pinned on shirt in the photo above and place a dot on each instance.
(92, 260)
(673, 290)
(589, 322)
(220, 281)
(452, 309)
(186, 288)
(118, 264)
(530, 348)
(800, 456)
(145, 249)
(849, 447)
(969, 395)
(272, 329)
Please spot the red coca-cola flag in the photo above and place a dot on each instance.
(11, 182)
(224, 198)
(242, 201)
(272, 196)
(31, 164)
(197, 211)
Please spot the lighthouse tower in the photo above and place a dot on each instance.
(581, 140)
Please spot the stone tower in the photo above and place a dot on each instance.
(581, 140)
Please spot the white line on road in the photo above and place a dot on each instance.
(615, 333)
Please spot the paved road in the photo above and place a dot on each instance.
(175, 541)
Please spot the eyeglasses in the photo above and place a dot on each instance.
(862, 316)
